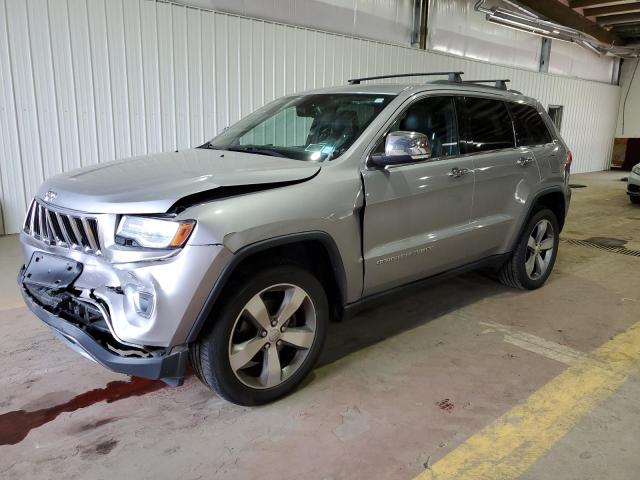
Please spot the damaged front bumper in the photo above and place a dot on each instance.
(95, 303)
(151, 302)
(81, 324)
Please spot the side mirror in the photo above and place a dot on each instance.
(402, 147)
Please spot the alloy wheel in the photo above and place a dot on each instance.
(272, 336)
(540, 246)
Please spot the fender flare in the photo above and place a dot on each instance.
(262, 245)
(532, 203)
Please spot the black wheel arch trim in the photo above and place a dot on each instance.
(316, 235)
(530, 208)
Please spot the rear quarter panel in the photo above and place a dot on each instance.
(550, 159)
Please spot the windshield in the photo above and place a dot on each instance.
(310, 127)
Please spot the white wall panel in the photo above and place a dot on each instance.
(64, 83)
(151, 75)
(87, 81)
(181, 77)
(122, 98)
(12, 187)
(385, 20)
(26, 117)
(133, 65)
(45, 90)
(193, 55)
(208, 75)
(221, 79)
(82, 85)
(233, 68)
(102, 85)
(456, 28)
(574, 61)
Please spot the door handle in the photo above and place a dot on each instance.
(524, 161)
(458, 172)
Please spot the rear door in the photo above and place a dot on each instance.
(416, 218)
(504, 172)
(532, 132)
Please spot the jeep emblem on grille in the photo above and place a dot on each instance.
(50, 196)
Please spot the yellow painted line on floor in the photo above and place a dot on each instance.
(510, 445)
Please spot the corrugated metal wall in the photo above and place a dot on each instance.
(86, 81)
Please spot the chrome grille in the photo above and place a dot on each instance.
(54, 227)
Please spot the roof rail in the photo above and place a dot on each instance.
(499, 83)
(453, 76)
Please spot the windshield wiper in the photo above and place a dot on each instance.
(257, 150)
(250, 149)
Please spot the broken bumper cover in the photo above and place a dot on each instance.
(126, 282)
(169, 367)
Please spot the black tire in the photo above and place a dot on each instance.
(513, 273)
(210, 356)
(635, 200)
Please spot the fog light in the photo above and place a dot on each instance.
(143, 300)
(143, 303)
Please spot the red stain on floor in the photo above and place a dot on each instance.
(16, 425)
(446, 405)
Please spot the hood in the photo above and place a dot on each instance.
(153, 183)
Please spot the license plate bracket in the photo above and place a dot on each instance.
(51, 271)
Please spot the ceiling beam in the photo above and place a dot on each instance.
(633, 39)
(590, 3)
(618, 19)
(631, 32)
(625, 7)
(627, 28)
(560, 13)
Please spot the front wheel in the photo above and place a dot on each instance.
(635, 200)
(265, 338)
(535, 254)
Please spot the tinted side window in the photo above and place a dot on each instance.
(530, 127)
(489, 125)
(436, 118)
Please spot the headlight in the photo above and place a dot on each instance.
(636, 169)
(153, 232)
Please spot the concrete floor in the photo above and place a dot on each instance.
(400, 386)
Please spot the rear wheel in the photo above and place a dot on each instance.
(266, 338)
(535, 254)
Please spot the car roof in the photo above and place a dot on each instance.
(412, 88)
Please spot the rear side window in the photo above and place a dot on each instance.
(529, 125)
(488, 124)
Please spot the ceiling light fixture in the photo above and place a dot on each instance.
(525, 21)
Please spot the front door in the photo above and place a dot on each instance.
(417, 216)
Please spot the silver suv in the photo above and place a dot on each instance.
(235, 255)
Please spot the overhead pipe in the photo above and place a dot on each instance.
(530, 23)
